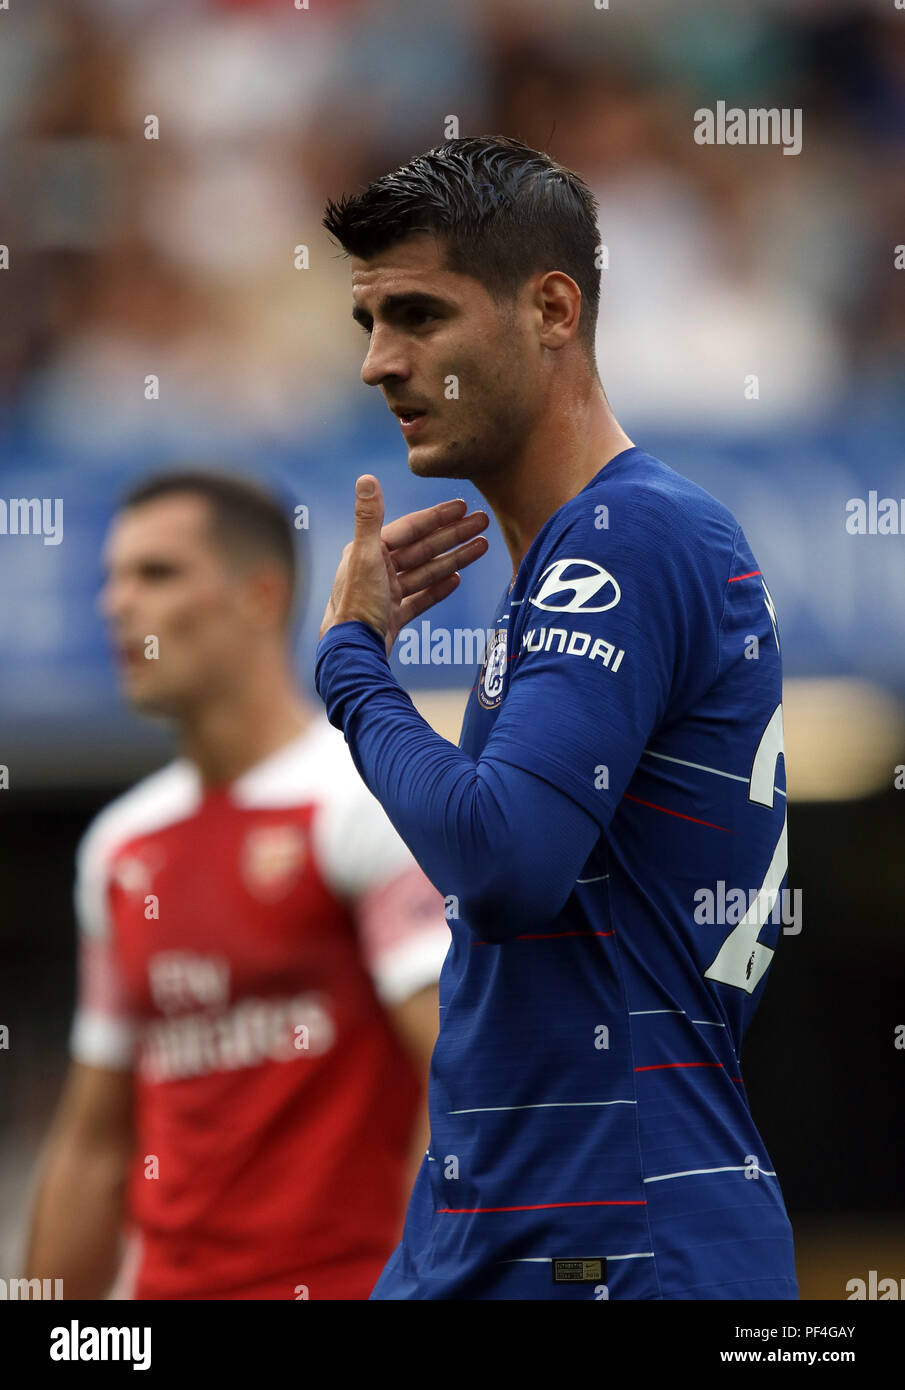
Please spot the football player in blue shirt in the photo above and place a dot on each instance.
(610, 834)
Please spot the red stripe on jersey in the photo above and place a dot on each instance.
(667, 812)
(542, 1206)
(663, 1066)
(548, 936)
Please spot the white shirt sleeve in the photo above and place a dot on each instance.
(400, 916)
(103, 1033)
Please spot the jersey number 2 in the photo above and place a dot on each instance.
(742, 960)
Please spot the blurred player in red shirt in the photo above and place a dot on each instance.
(258, 951)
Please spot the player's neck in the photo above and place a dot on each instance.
(573, 441)
(227, 737)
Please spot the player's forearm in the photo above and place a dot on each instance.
(506, 846)
(428, 788)
(77, 1219)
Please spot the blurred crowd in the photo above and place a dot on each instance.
(175, 256)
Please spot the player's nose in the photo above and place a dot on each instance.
(385, 359)
(113, 601)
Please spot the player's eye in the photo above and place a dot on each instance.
(157, 571)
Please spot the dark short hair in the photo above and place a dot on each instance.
(246, 521)
(504, 211)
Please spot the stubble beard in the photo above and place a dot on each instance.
(477, 457)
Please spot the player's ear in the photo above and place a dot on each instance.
(557, 299)
(265, 599)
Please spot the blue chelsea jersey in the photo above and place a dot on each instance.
(590, 1133)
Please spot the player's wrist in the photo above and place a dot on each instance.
(352, 614)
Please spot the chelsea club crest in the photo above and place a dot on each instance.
(490, 682)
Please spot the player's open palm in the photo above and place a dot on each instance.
(388, 575)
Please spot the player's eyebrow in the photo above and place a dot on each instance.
(392, 304)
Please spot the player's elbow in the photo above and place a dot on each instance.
(511, 895)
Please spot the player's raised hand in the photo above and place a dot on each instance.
(388, 575)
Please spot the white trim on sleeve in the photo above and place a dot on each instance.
(99, 1040)
(409, 967)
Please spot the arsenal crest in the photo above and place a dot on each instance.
(271, 860)
(134, 873)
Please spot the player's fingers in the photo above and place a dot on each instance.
(438, 569)
(368, 509)
(408, 557)
(396, 592)
(419, 603)
(411, 527)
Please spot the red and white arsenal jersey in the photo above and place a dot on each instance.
(239, 947)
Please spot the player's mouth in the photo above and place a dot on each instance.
(410, 421)
(129, 657)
